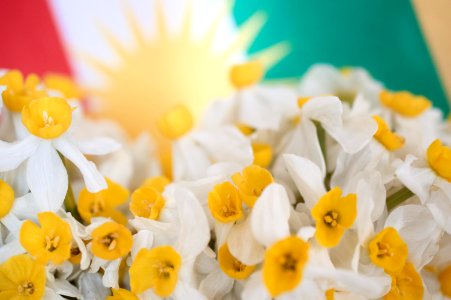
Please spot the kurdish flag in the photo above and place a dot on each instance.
(139, 56)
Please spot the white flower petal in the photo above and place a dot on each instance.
(190, 161)
(216, 285)
(91, 286)
(111, 274)
(63, 287)
(327, 110)
(47, 177)
(194, 232)
(307, 177)
(255, 289)
(98, 146)
(143, 239)
(12, 155)
(243, 245)
(440, 207)
(274, 205)
(26, 207)
(94, 181)
(10, 249)
(371, 287)
(183, 291)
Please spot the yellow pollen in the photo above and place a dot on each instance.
(6, 198)
(247, 74)
(404, 103)
(334, 214)
(387, 250)
(26, 288)
(47, 118)
(439, 159)
(176, 122)
(390, 140)
(51, 242)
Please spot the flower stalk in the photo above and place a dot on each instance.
(398, 198)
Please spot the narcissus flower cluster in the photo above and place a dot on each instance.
(333, 188)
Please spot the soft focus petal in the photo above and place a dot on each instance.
(12, 155)
(98, 146)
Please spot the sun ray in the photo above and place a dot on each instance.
(160, 22)
(272, 55)
(112, 41)
(247, 34)
(187, 20)
(226, 8)
(132, 22)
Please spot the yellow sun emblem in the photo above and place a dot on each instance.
(155, 74)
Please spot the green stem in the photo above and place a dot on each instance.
(398, 198)
(322, 143)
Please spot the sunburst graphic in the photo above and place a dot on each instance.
(168, 69)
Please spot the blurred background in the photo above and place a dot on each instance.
(139, 57)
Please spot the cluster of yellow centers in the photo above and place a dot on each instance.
(284, 265)
(405, 103)
(156, 269)
(111, 240)
(6, 198)
(103, 203)
(439, 159)
(50, 242)
(21, 277)
(390, 140)
(148, 201)
(333, 215)
(388, 251)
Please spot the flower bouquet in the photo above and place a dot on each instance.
(333, 188)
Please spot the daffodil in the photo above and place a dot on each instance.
(388, 251)
(406, 284)
(225, 203)
(333, 215)
(50, 242)
(251, 182)
(47, 121)
(111, 240)
(147, 202)
(103, 203)
(21, 277)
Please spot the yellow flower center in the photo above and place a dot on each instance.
(156, 268)
(445, 281)
(50, 242)
(390, 140)
(22, 278)
(245, 129)
(388, 250)
(439, 159)
(404, 103)
(246, 74)
(75, 256)
(333, 215)
(251, 182)
(47, 118)
(176, 122)
(122, 294)
(147, 202)
(303, 100)
(111, 240)
(224, 203)
(103, 203)
(19, 93)
(231, 266)
(284, 264)
(330, 294)
(6, 198)
(406, 284)
(63, 84)
(262, 154)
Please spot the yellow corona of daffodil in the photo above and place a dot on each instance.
(251, 182)
(330, 294)
(390, 140)
(439, 159)
(75, 255)
(246, 74)
(22, 278)
(19, 93)
(63, 84)
(245, 129)
(224, 203)
(231, 266)
(303, 100)
(6, 198)
(122, 294)
(103, 203)
(406, 284)
(157, 182)
(284, 265)
(445, 281)
(155, 269)
(262, 154)
(147, 202)
(333, 215)
(47, 117)
(405, 103)
(176, 122)
(388, 251)
(50, 242)
(111, 240)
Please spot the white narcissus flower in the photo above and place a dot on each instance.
(47, 120)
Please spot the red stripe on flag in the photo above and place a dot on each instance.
(29, 38)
